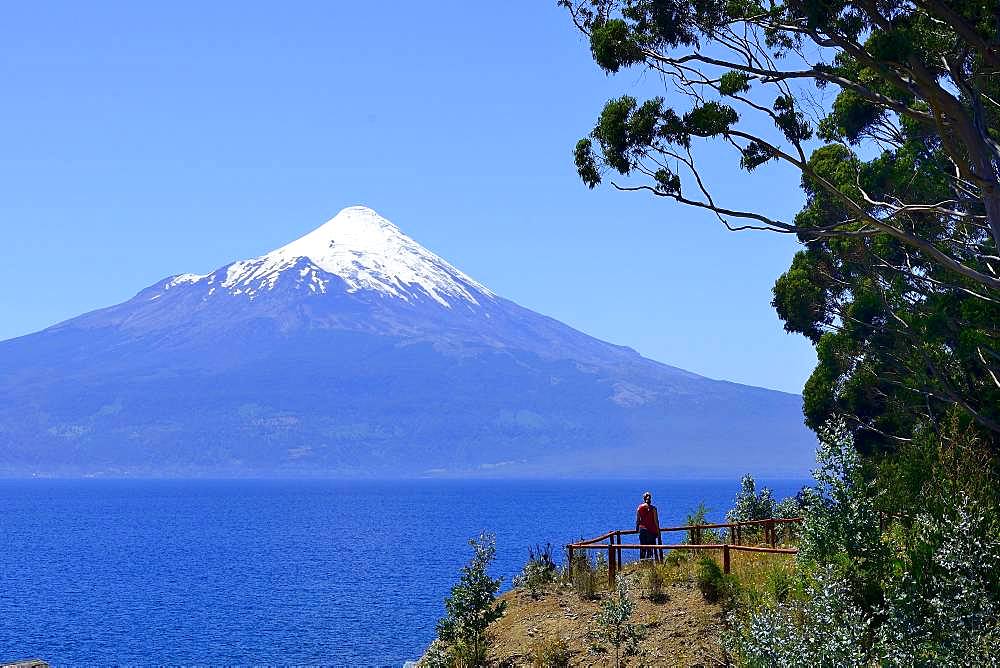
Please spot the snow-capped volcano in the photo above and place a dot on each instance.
(354, 351)
(364, 250)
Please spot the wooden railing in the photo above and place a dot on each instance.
(615, 546)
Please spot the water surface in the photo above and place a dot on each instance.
(276, 572)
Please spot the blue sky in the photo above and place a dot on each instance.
(144, 141)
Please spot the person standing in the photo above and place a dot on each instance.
(647, 523)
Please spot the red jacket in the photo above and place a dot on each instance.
(646, 518)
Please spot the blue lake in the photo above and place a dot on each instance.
(174, 572)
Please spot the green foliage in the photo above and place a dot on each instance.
(472, 606)
(750, 504)
(539, 570)
(601, 563)
(710, 119)
(694, 518)
(842, 523)
(775, 584)
(714, 585)
(823, 629)
(614, 627)
(586, 163)
(551, 653)
(612, 46)
(734, 82)
(676, 558)
(667, 182)
(697, 517)
(923, 591)
(655, 581)
(897, 283)
(438, 655)
(790, 120)
(789, 507)
(944, 608)
(584, 575)
(897, 348)
(755, 154)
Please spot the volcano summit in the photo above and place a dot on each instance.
(355, 351)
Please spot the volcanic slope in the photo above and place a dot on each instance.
(355, 351)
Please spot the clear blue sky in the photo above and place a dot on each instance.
(141, 140)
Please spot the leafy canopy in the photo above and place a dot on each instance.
(898, 282)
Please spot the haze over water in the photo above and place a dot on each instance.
(277, 572)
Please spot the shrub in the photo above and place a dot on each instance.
(438, 655)
(703, 536)
(614, 627)
(472, 606)
(655, 582)
(601, 565)
(551, 653)
(539, 570)
(944, 609)
(842, 524)
(925, 592)
(824, 629)
(714, 585)
(750, 505)
(583, 576)
(765, 581)
(676, 558)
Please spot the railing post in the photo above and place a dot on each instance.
(725, 559)
(774, 536)
(732, 535)
(612, 560)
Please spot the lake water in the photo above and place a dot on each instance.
(277, 572)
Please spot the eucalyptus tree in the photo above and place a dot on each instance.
(890, 112)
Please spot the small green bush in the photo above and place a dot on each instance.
(539, 571)
(614, 626)
(788, 507)
(781, 584)
(767, 582)
(697, 517)
(714, 585)
(438, 655)
(676, 558)
(601, 565)
(583, 576)
(655, 583)
(472, 606)
(751, 505)
(551, 653)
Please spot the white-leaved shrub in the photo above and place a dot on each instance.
(614, 623)
(926, 593)
(842, 524)
(824, 629)
(751, 505)
(944, 609)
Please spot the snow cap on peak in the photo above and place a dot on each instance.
(356, 227)
(369, 253)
